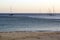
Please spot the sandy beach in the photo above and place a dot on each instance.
(29, 35)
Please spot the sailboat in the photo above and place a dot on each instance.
(11, 12)
(50, 15)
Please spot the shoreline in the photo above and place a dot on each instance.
(28, 35)
(34, 31)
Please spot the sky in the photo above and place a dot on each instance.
(29, 6)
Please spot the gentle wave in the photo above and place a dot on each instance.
(46, 17)
(31, 29)
(36, 16)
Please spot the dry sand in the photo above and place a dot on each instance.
(29, 35)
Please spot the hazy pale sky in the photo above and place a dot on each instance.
(29, 6)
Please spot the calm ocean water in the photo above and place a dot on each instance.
(27, 23)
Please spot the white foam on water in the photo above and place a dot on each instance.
(31, 29)
(46, 17)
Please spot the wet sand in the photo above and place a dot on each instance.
(29, 35)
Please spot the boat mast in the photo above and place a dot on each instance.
(40, 10)
(53, 9)
(11, 9)
(50, 14)
(49, 10)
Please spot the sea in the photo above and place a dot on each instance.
(28, 22)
